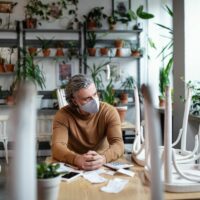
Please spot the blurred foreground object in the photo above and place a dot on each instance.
(22, 180)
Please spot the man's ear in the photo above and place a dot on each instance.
(74, 102)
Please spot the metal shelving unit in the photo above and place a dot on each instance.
(110, 43)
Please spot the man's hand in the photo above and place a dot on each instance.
(90, 160)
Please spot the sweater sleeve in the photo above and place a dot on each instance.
(60, 150)
(114, 136)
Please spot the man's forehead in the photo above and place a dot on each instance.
(85, 92)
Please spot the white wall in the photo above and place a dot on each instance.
(192, 40)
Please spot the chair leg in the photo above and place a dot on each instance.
(5, 144)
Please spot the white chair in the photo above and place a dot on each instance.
(152, 141)
(61, 97)
(3, 134)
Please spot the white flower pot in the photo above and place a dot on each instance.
(48, 188)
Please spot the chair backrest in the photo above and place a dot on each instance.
(3, 121)
(61, 98)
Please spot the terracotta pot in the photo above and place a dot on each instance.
(46, 52)
(104, 51)
(59, 52)
(9, 67)
(161, 102)
(124, 98)
(31, 23)
(91, 25)
(2, 69)
(118, 53)
(119, 43)
(122, 112)
(92, 51)
(112, 26)
(135, 53)
(32, 51)
(10, 100)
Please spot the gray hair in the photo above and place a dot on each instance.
(76, 83)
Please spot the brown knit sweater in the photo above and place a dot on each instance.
(74, 133)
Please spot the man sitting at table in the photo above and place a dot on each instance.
(86, 133)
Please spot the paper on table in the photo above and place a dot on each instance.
(115, 186)
(126, 172)
(66, 168)
(94, 177)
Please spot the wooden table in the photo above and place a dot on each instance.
(137, 189)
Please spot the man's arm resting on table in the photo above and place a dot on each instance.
(88, 161)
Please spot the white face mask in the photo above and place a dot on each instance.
(92, 106)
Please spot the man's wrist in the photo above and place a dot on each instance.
(104, 159)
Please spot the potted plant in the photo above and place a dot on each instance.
(136, 51)
(112, 21)
(36, 9)
(104, 51)
(9, 66)
(91, 42)
(45, 44)
(72, 51)
(33, 9)
(94, 17)
(28, 70)
(127, 85)
(119, 43)
(108, 96)
(48, 181)
(59, 49)
(2, 61)
(164, 81)
(195, 107)
(167, 56)
(96, 74)
(32, 51)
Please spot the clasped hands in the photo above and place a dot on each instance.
(90, 160)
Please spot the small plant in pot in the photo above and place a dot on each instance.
(48, 181)
(72, 51)
(94, 18)
(109, 96)
(136, 52)
(104, 51)
(34, 9)
(96, 74)
(112, 21)
(59, 49)
(45, 45)
(127, 85)
(32, 51)
(195, 107)
(29, 70)
(164, 81)
(91, 42)
(9, 66)
(2, 60)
